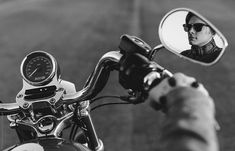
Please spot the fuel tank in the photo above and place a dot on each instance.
(48, 144)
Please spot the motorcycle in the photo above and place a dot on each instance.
(47, 105)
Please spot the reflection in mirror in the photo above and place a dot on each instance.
(190, 35)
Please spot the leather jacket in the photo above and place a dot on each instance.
(190, 122)
(207, 53)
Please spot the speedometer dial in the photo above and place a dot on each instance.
(38, 68)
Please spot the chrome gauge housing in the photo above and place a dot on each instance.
(38, 68)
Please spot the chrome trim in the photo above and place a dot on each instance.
(84, 111)
(100, 147)
(22, 102)
(109, 57)
(203, 18)
(53, 72)
(9, 108)
(60, 124)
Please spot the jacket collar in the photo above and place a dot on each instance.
(206, 49)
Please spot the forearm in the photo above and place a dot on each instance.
(190, 123)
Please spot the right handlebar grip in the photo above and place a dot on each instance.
(132, 71)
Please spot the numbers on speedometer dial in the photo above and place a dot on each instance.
(38, 69)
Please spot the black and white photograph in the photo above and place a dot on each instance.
(117, 75)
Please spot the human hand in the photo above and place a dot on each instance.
(157, 93)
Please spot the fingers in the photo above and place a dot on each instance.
(177, 80)
(151, 77)
(202, 89)
(186, 81)
(160, 90)
(183, 80)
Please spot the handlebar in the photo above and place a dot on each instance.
(97, 79)
(93, 86)
(9, 108)
(95, 83)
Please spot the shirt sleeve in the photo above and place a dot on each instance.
(190, 122)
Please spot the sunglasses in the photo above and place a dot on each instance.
(197, 27)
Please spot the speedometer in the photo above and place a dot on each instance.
(38, 68)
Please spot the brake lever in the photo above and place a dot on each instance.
(152, 79)
(134, 97)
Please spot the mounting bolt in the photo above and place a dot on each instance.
(13, 124)
(52, 101)
(131, 92)
(19, 96)
(25, 105)
(60, 89)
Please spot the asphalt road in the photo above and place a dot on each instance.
(78, 33)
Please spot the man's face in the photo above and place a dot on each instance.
(198, 38)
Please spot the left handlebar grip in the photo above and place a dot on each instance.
(9, 108)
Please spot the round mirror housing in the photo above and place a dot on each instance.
(191, 36)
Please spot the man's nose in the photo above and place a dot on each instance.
(192, 30)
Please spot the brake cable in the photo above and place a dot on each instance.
(105, 104)
(102, 97)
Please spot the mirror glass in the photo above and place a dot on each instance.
(190, 35)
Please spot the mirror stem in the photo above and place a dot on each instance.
(158, 48)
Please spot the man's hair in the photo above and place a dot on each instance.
(190, 15)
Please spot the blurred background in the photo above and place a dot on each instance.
(78, 32)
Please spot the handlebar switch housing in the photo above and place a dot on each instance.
(131, 44)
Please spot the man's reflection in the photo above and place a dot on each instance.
(200, 36)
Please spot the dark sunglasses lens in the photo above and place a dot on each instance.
(198, 27)
(187, 27)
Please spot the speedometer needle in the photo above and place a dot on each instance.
(33, 72)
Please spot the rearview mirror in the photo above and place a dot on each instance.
(191, 36)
